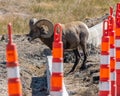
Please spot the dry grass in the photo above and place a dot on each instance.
(18, 12)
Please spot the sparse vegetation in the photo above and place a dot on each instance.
(19, 12)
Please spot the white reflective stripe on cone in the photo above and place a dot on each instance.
(104, 86)
(105, 59)
(112, 52)
(13, 72)
(57, 67)
(113, 76)
(117, 41)
(117, 65)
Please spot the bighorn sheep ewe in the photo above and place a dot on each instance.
(74, 36)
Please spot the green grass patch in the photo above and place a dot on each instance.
(61, 11)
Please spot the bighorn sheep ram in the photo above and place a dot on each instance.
(74, 36)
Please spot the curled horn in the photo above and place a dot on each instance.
(47, 23)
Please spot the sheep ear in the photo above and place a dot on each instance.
(32, 22)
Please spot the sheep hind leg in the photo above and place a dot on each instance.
(77, 56)
(83, 66)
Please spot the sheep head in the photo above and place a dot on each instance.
(40, 29)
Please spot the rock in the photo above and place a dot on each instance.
(95, 78)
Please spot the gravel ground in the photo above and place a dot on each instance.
(32, 60)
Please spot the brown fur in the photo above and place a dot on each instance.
(74, 36)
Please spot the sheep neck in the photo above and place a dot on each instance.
(48, 41)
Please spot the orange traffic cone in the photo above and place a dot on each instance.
(57, 66)
(111, 32)
(117, 41)
(104, 84)
(14, 83)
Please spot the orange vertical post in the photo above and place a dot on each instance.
(14, 83)
(104, 83)
(57, 63)
(111, 33)
(117, 41)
